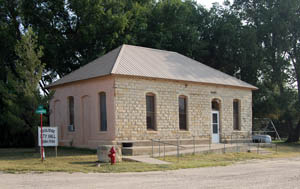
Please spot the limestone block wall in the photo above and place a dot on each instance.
(130, 108)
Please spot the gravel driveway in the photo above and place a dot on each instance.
(276, 173)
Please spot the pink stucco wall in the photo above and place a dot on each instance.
(86, 109)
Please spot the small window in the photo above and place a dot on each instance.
(215, 105)
(182, 113)
(236, 115)
(71, 113)
(103, 114)
(150, 108)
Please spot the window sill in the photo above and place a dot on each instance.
(151, 131)
(102, 132)
(183, 131)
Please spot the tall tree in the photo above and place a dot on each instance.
(20, 94)
(232, 45)
(9, 34)
(177, 26)
(273, 22)
(28, 65)
(293, 8)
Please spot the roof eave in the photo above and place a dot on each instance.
(250, 87)
(53, 85)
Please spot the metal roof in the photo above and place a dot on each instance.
(100, 67)
(146, 62)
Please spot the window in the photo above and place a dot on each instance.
(103, 115)
(71, 114)
(150, 108)
(215, 105)
(236, 115)
(182, 113)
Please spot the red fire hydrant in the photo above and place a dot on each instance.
(112, 155)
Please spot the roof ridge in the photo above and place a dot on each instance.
(114, 68)
(149, 48)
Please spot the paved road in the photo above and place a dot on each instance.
(277, 173)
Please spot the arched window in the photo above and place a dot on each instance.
(71, 113)
(182, 102)
(236, 115)
(150, 108)
(215, 104)
(103, 114)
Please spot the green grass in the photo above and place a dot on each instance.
(83, 160)
(288, 149)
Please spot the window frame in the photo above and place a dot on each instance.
(184, 113)
(102, 114)
(71, 108)
(151, 114)
(236, 114)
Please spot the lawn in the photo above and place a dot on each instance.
(288, 149)
(83, 160)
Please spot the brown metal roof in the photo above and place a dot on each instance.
(146, 62)
(100, 67)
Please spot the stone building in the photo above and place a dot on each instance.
(135, 94)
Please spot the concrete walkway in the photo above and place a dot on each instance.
(213, 148)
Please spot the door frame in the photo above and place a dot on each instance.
(215, 137)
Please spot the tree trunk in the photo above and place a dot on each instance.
(294, 133)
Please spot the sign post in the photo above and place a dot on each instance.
(40, 110)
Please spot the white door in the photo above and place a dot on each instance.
(215, 126)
